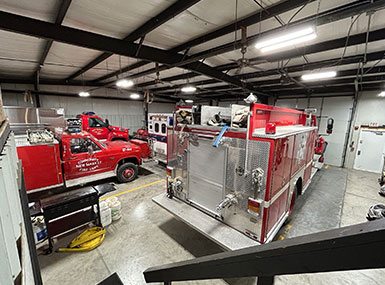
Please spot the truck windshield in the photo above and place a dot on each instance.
(96, 123)
(98, 141)
(81, 145)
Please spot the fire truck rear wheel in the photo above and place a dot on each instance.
(292, 202)
(127, 172)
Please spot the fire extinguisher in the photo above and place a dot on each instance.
(330, 124)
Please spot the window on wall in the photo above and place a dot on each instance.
(96, 123)
(80, 145)
(156, 127)
(164, 128)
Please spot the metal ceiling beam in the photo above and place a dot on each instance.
(37, 28)
(330, 89)
(345, 78)
(231, 66)
(178, 86)
(345, 87)
(367, 72)
(163, 99)
(49, 82)
(316, 65)
(335, 14)
(318, 95)
(376, 35)
(290, 69)
(274, 85)
(172, 11)
(322, 18)
(65, 4)
(255, 18)
(344, 82)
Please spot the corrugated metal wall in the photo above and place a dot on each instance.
(127, 114)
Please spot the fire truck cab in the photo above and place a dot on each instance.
(100, 129)
(75, 159)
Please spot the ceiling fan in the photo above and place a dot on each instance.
(243, 61)
(157, 79)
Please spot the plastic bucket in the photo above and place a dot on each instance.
(105, 214)
(115, 207)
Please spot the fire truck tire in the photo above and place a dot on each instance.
(292, 202)
(127, 172)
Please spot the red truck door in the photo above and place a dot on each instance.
(98, 128)
(79, 161)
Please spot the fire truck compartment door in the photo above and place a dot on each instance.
(207, 168)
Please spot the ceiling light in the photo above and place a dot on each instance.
(382, 94)
(124, 83)
(84, 94)
(134, 96)
(189, 89)
(189, 101)
(316, 76)
(288, 39)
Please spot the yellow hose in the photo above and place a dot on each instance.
(86, 241)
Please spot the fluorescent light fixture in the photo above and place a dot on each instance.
(189, 101)
(382, 94)
(189, 89)
(288, 39)
(134, 96)
(124, 83)
(317, 76)
(84, 94)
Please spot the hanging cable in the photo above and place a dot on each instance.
(347, 39)
(296, 13)
(367, 35)
(374, 65)
(279, 20)
(236, 20)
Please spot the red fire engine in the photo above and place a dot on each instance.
(100, 129)
(246, 178)
(74, 159)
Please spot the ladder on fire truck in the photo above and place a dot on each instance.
(349, 248)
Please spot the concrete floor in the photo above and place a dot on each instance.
(147, 235)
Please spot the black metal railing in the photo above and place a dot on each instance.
(355, 247)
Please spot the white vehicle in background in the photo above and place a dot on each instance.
(157, 134)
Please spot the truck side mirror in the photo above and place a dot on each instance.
(107, 122)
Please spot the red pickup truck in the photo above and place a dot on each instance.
(74, 159)
(100, 129)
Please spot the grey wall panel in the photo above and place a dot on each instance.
(161, 108)
(127, 114)
(337, 108)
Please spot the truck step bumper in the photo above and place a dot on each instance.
(220, 233)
